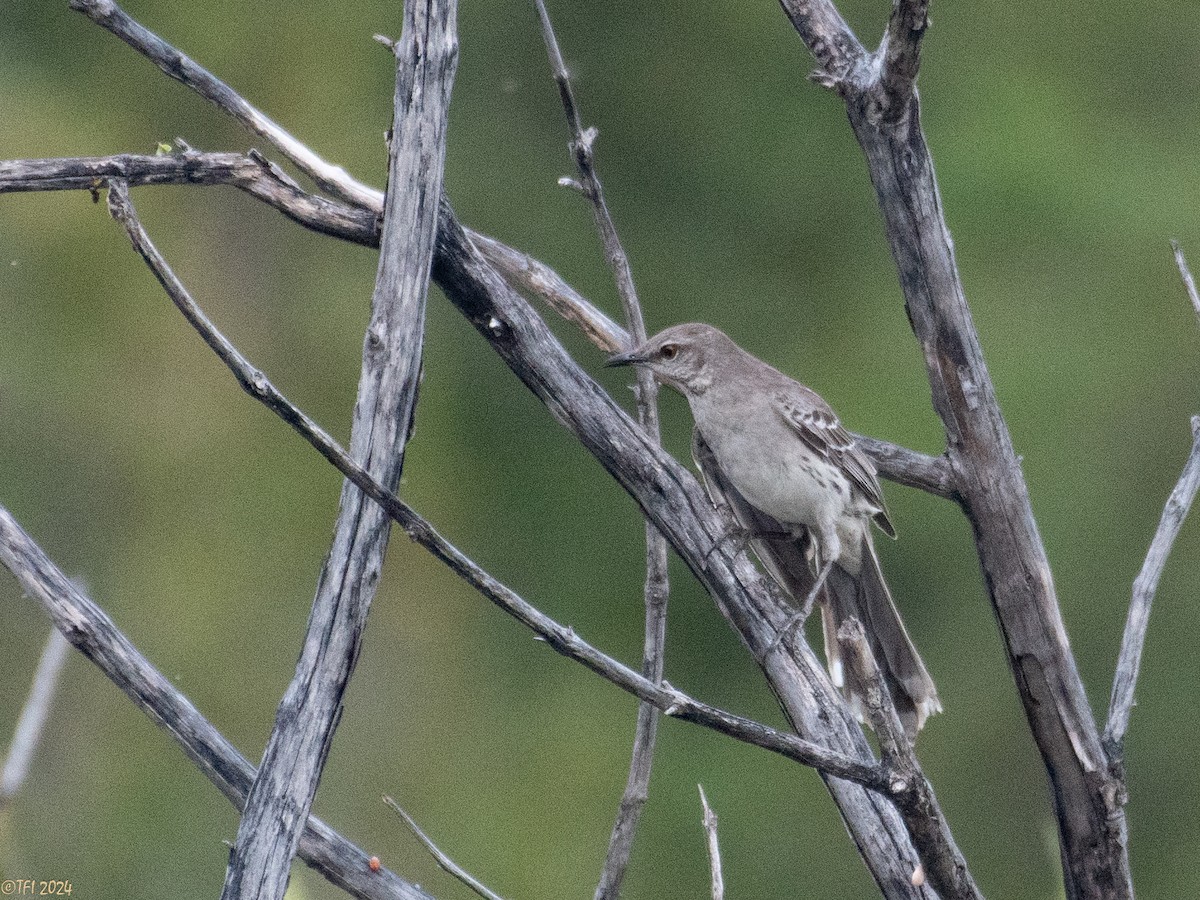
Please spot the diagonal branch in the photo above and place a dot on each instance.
(93, 633)
(28, 732)
(445, 862)
(941, 860)
(426, 57)
(1144, 588)
(559, 637)
(108, 15)
(1146, 584)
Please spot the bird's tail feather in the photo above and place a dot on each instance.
(866, 597)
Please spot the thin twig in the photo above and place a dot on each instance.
(709, 821)
(445, 862)
(1185, 273)
(28, 732)
(177, 65)
(93, 633)
(1144, 588)
(657, 587)
(561, 638)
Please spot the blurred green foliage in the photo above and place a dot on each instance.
(1067, 140)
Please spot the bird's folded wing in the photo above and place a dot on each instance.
(817, 425)
(783, 554)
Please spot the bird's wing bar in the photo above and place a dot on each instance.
(817, 425)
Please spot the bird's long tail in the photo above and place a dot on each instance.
(866, 597)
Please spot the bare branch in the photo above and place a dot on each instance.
(993, 492)
(1185, 273)
(526, 273)
(250, 173)
(657, 589)
(881, 713)
(901, 52)
(940, 857)
(561, 638)
(175, 64)
(827, 36)
(93, 633)
(28, 732)
(1144, 588)
(426, 58)
(444, 861)
(709, 822)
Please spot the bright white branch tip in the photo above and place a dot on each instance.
(918, 875)
(495, 326)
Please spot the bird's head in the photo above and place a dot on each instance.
(683, 356)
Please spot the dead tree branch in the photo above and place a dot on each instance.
(941, 860)
(713, 843)
(177, 65)
(93, 633)
(1145, 586)
(444, 862)
(657, 588)
(561, 638)
(426, 57)
(677, 505)
(34, 713)
(992, 490)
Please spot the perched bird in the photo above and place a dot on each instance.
(807, 495)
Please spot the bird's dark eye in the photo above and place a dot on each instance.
(669, 351)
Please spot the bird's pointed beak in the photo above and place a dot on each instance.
(628, 358)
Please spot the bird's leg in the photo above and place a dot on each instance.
(801, 615)
(807, 605)
(739, 537)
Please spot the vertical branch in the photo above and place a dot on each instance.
(711, 840)
(287, 780)
(657, 587)
(33, 716)
(884, 113)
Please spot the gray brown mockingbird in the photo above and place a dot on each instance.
(793, 476)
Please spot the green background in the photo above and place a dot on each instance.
(1066, 138)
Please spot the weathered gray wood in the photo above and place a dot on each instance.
(992, 490)
(93, 633)
(677, 505)
(928, 473)
(561, 638)
(657, 585)
(1144, 588)
(283, 791)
